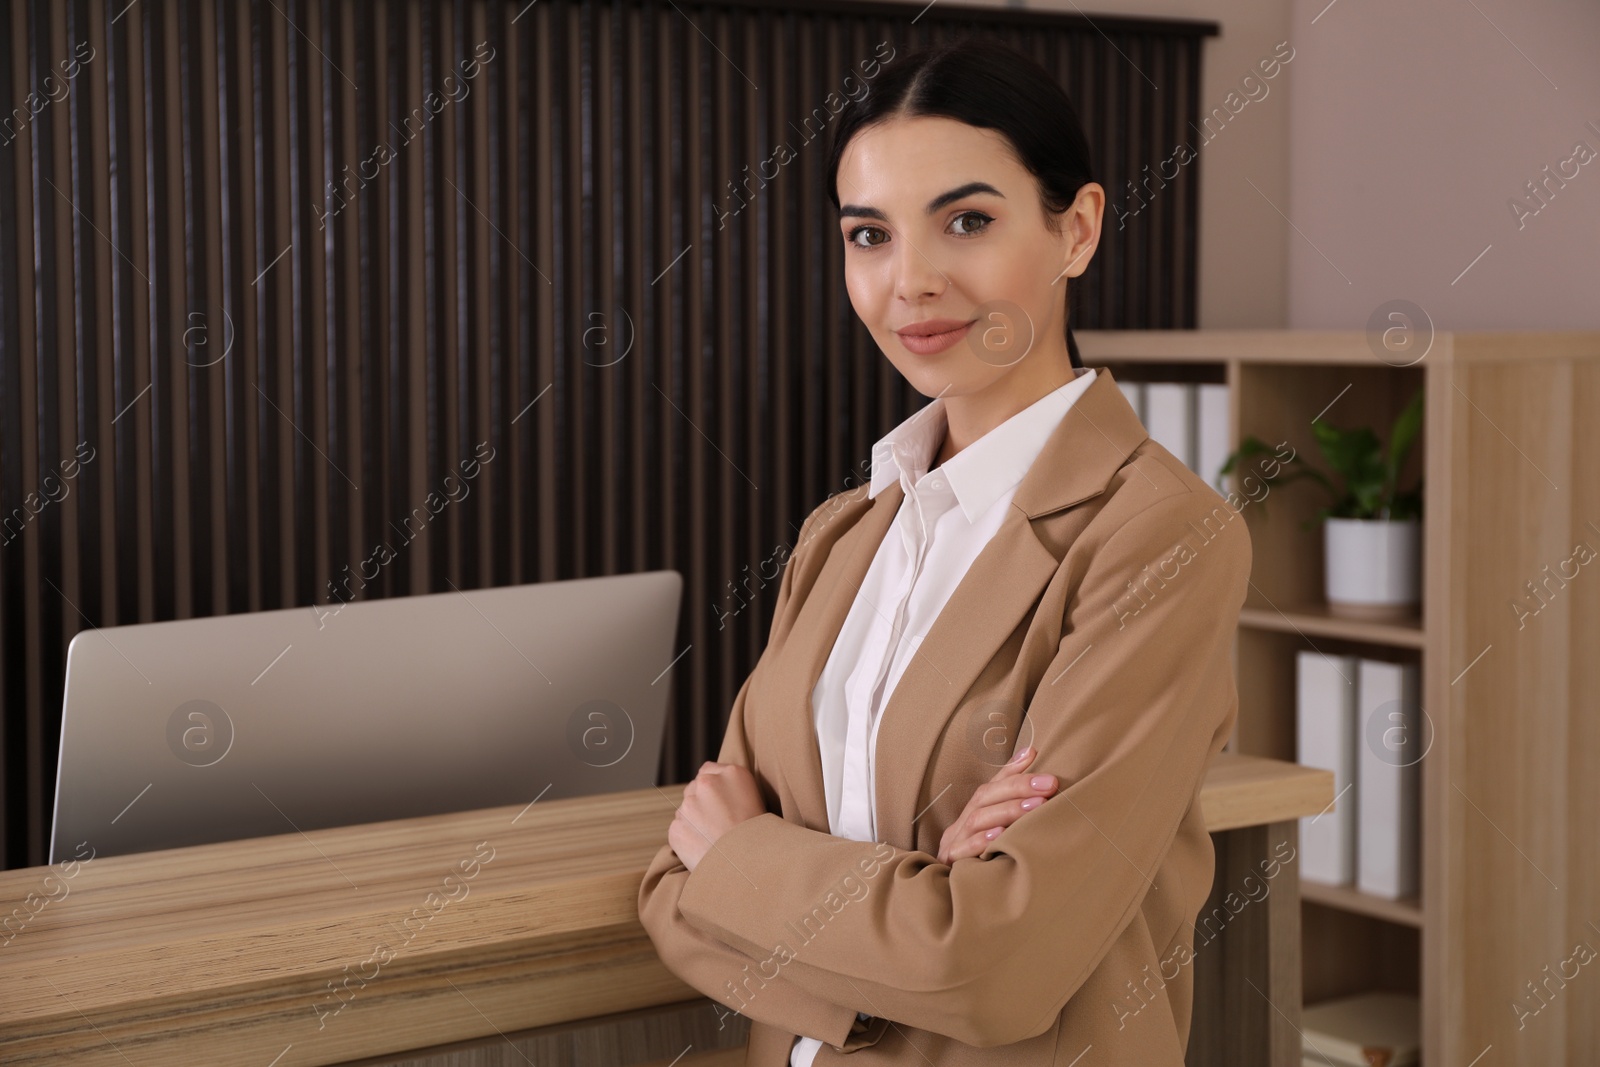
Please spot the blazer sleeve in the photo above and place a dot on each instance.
(752, 983)
(988, 950)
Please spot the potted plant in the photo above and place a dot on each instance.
(1371, 528)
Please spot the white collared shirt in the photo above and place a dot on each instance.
(947, 517)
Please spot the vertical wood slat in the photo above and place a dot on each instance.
(89, 359)
(284, 266)
(46, 436)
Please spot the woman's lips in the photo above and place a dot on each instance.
(934, 343)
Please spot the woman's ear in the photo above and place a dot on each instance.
(1081, 229)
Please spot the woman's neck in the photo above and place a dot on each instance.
(968, 418)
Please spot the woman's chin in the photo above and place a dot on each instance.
(928, 375)
(933, 386)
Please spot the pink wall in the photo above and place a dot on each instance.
(1413, 128)
(1244, 241)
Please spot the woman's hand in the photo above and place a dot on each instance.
(996, 804)
(722, 796)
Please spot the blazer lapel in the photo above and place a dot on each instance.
(995, 596)
(997, 593)
(850, 537)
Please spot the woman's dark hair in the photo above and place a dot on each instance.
(981, 81)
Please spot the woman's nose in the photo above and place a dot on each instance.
(916, 275)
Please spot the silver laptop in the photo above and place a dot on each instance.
(197, 730)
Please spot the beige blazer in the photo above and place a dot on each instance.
(1096, 626)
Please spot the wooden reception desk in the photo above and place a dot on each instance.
(390, 942)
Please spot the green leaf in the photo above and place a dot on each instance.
(1304, 471)
(1355, 454)
(1407, 505)
(1357, 457)
(1250, 446)
(1403, 436)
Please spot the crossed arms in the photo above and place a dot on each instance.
(988, 950)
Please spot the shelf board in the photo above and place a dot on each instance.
(1328, 347)
(1245, 790)
(1406, 911)
(1316, 619)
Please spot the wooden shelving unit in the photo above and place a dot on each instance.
(1314, 620)
(1507, 639)
(1407, 912)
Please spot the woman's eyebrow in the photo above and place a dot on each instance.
(862, 211)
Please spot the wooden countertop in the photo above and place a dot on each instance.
(1248, 791)
(433, 929)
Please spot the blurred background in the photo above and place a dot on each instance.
(270, 271)
(310, 301)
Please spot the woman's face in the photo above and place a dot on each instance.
(943, 226)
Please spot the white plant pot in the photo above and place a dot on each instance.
(1372, 567)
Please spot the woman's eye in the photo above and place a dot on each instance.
(983, 221)
(858, 231)
(961, 230)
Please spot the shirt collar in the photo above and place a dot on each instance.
(987, 468)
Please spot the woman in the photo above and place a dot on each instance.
(1027, 574)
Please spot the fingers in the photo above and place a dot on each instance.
(966, 848)
(1009, 783)
(992, 818)
(707, 770)
(1011, 771)
(973, 844)
(1020, 759)
(987, 823)
(996, 804)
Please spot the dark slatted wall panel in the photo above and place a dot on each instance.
(270, 272)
